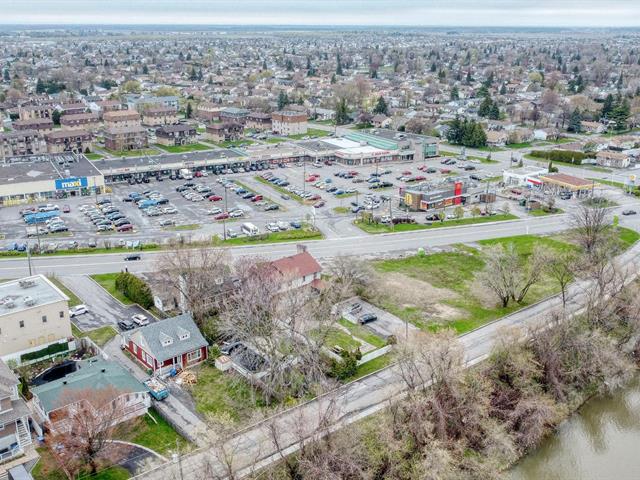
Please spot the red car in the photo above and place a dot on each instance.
(215, 198)
(406, 173)
(127, 227)
(221, 216)
(420, 178)
(66, 209)
(319, 204)
(256, 198)
(445, 170)
(312, 178)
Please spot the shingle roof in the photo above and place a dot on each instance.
(91, 374)
(299, 265)
(150, 338)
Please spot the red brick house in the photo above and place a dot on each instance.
(171, 343)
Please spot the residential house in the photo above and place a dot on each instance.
(381, 121)
(23, 142)
(60, 141)
(592, 127)
(299, 270)
(289, 123)
(167, 344)
(497, 138)
(100, 107)
(16, 444)
(34, 320)
(224, 132)
(179, 134)
(42, 125)
(125, 138)
(54, 401)
(80, 121)
(259, 121)
(609, 158)
(324, 114)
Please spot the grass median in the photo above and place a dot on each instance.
(376, 228)
(193, 147)
(281, 190)
(307, 232)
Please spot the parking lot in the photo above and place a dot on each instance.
(384, 325)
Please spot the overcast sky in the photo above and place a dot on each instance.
(600, 13)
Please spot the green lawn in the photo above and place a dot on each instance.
(304, 233)
(192, 147)
(102, 335)
(445, 153)
(131, 153)
(627, 236)
(336, 337)
(73, 298)
(48, 469)
(372, 366)
(329, 123)
(520, 145)
(363, 333)
(346, 195)
(108, 282)
(94, 156)
(275, 140)
(153, 431)
(311, 132)
(375, 228)
(224, 394)
(341, 210)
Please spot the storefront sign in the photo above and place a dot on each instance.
(71, 183)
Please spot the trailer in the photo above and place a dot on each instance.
(157, 389)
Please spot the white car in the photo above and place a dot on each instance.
(78, 310)
(140, 320)
(236, 214)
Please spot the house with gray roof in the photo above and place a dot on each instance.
(52, 400)
(171, 343)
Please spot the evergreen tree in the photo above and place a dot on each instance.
(575, 120)
(193, 75)
(503, 89)
(620, 114)
(264, 65)
(381, 107)
(283, 100)
(40, 86)
(145, 70)
(333, 79)
(6, 76)
(485, 107)
(455, 93)
(342, 112)
(607, 106)
(494, 113)
(339, 65)
(55, 117)
(189, 111)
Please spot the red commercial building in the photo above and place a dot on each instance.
(428, 197)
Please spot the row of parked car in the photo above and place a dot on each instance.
(255, 198)
(105, 216)
(283, 183)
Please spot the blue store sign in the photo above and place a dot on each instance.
(71, 183)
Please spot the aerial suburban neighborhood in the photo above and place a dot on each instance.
(287, 252)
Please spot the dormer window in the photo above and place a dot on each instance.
(183, 334)
(165, 340)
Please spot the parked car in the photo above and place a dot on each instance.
(66, 209)
(221, 216)
(126, 325)
(367, 318)
(629, 212)
(140, 320)
(127, 227)
(78, 310)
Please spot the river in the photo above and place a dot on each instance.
(600, 442)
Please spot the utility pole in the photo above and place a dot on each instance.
(304, 175)
(391, 214)
(224, 220)
(29, 257)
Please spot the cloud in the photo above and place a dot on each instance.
(325, 12)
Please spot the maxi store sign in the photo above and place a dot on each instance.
(71, 183)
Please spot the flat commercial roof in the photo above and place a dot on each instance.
(566, 180)
(26, 293)
(341, 142)
(34, 168)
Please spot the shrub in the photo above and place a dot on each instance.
(563, 156)
(135, 289)
(347, 367)
(46, 351)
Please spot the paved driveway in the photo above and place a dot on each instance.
(386, 324)
(103, 308)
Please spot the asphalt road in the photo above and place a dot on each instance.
(254, 447)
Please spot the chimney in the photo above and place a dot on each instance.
(301, 248)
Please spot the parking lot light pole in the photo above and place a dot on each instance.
(224, 220)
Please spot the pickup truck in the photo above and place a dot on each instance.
(157, 389)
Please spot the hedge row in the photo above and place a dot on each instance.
(135, 289)
(563, 156)
(46, 351)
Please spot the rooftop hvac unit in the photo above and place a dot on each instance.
(27, 283)
(67, 173)
(29, 301)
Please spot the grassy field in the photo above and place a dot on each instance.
(274, 140)
(445, 153)
(108, 282)
(94, 156)
(304, 233)
(372, 366)
(341, 210)
(235, 143)
(102, 335)
(193, 147)
(311, 132)
(362, 333)
(179, 228)
(131, 153)
(73, 298)
(223, 395)
(153, 431)
(376, 228)
(541, 212)
(337, 337)
(520, 145)
(47, 469)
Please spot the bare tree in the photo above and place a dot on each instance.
(509, 277)
(562, 268)
(590, 224)
(352, 274)
(81, 435)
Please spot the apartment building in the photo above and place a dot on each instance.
(121, 119)
(289, 123)
(259, 121)
(80, 121)
(34, 320)
(126, 138)
(42, 125)
(157, 116)
(29, 112)
(224, 132)
(23, 142)
(60, 141)
(180, 134)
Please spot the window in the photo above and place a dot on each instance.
(21, 323)
(193, 356)
(61, 314)
(44, 319)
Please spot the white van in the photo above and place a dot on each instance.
(249, 229)
(186, 173)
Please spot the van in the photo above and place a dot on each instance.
(186, 174)
(249, 229)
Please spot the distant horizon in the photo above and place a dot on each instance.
(383, 13)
